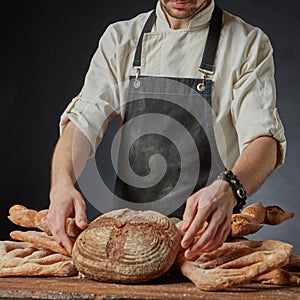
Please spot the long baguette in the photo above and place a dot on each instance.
(29, 218)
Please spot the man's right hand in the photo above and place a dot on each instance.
(65, 202)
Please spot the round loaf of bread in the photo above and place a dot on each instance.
(126, 246)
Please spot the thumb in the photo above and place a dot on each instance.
(80, 214)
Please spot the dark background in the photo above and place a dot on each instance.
(46, 47)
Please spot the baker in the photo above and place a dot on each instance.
(194, 87)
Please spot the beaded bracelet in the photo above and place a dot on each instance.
(237, 188)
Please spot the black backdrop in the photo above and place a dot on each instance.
(45, 49)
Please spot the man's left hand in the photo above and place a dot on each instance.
(214, 205)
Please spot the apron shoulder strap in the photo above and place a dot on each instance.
(147, 28)
(211, 45)
(212, 41)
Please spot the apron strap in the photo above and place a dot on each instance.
(212, 40)
(147, 28)
(211, 46)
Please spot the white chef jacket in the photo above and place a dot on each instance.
(243, 96)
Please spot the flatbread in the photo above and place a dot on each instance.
(234, 264)
(24, 259)
(278, 277)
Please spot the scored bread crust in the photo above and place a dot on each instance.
(127, 246)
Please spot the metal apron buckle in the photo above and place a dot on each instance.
(201, 86)
(137, 83)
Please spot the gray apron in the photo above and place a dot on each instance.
(167, 147)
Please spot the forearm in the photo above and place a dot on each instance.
(69, 158)
(214, 204)
(256, 162)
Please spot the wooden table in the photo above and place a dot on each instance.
(166, 287)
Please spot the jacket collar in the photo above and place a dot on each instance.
(199, 21)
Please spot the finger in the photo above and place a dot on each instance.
(196, 225)
(64, 240)
(56, 223)
(59, 233)
(189, 212)
(80, 214)
(209, 238)
(198, 247)
(218, 243)
(219, 239)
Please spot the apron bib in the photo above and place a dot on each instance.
(167, 147)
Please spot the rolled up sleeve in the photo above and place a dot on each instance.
(253, 107)
(98, 102)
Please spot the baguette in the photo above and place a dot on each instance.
(29, 218)
(276, 215)
(39, 239)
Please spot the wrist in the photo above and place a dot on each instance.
(60, 185)
(237, 188)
